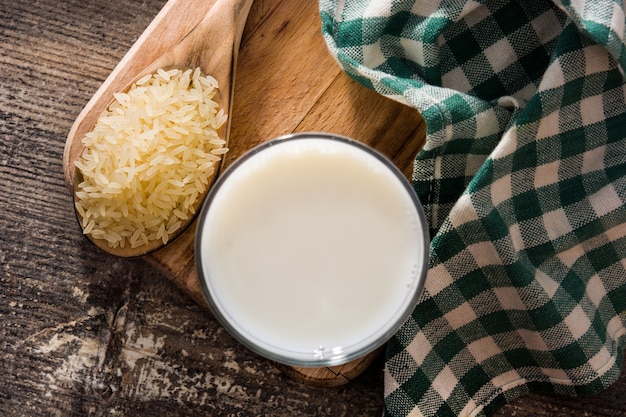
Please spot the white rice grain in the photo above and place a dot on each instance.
(149, 157)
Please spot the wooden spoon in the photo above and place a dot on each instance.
(206, 35)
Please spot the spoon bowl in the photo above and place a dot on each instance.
(208, 37)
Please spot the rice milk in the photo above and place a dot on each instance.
(312, 250)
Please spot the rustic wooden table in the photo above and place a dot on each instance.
(85, 334)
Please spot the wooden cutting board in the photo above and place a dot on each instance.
(286, 81)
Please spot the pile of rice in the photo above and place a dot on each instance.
(149, 158)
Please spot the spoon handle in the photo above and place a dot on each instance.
(213, 46)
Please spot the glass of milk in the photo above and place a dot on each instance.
(312, 249)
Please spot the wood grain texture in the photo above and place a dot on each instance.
(292, 84)
(86, 334)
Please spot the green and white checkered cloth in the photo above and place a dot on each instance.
(523, 181)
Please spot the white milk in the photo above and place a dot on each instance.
(310, 249)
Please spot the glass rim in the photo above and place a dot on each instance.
(313, 358)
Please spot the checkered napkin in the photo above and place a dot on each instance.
(523, 181)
